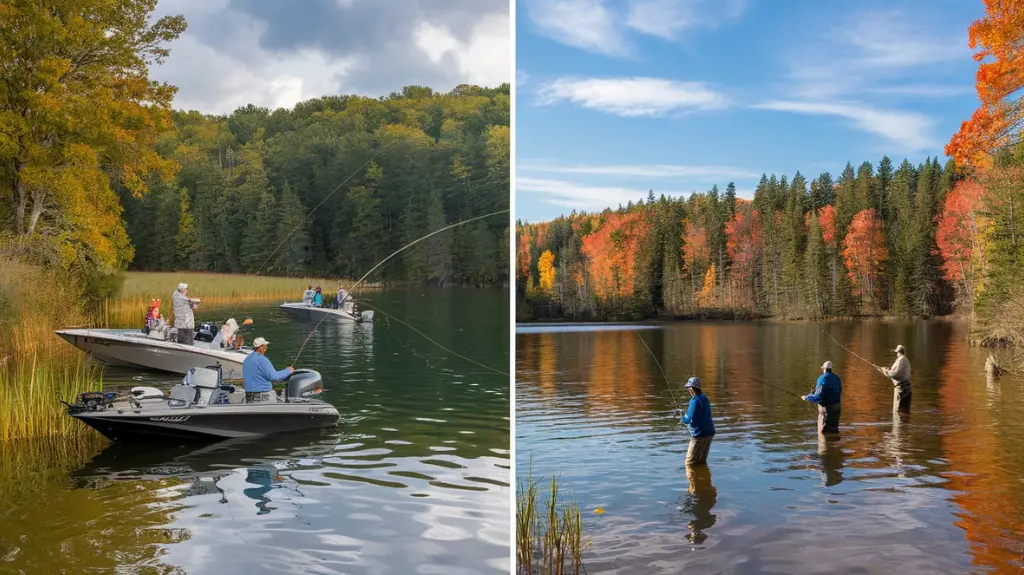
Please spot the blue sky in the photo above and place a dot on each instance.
(618, 97)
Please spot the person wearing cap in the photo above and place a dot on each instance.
(184, 320)
(258, 374)
(698, 419)
(899, 373)
(828, 394)
(307, 296)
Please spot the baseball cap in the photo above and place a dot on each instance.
(826, 365)
(900, 348)
(693, 382)
(259, 342)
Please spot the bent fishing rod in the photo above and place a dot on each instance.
(662, 370)
(385, 260)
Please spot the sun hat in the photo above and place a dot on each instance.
(259, 342)
(693, 382)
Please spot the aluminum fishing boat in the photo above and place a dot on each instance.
(133, 348)
(203, 407)
(345, 313)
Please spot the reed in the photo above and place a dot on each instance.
(548, 541)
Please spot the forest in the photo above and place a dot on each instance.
(371, 174)
(880, 240)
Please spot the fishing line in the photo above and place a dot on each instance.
(426, 337)
(662, 370)
(848, 349)
(393, 254)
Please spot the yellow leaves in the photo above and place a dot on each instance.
(706, 295)
(546, 268)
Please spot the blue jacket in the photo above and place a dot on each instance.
(828, 390)
(318, 299)
(258, 373)
(698, 416)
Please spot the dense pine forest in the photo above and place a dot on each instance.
(375, 173)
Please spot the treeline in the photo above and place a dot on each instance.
(862, 244)
(334, 186)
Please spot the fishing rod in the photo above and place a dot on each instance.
(849, 350)
(661, 369)
(393, 254)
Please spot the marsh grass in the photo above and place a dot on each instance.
(549, 539)
(129, 308)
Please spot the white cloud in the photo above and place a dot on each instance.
(585, 24)
(576, 196)
(668, 18)
(911, 130)
(651, 171)
(922, 90)
(889, 39)
(632, 97)
(484, 60)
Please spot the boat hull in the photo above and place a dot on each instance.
(303, 311)
(118, 349)
(212, 423)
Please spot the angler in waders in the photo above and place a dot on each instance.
(698, 419)
(828, 394)
(899, 373)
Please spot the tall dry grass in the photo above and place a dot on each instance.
(549, 539)
(37, 368)
(129, 308)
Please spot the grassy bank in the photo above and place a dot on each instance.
(38, 369)
(549, 539)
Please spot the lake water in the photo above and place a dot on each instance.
(938, 491)
(415, 479)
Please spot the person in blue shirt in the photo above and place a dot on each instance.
(698, 419)
(258, 374)
(828, 393)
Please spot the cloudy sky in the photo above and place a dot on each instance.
(615, 97)
(275, 53)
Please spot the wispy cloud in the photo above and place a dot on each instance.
(597, 27)
(585, 24)
(650, 171)
(576, 196)
(632, 97)
(911, 130)
(922, 90)
(669, 18)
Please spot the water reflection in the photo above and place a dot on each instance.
(936, 488)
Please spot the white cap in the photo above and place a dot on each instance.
(259, 342)
(900, 348)
(182, 286)
(826, 365)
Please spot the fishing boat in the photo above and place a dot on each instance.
(134, 348)
(203, 407)
(345, 313)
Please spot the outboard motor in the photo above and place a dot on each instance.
(304, 383)
(206, 332)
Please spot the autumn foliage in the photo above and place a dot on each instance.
(999, 36)
(546, 269)
(864, 252)
(611, 252)
(959, 230)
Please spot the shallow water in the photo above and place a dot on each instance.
(938, 491)
(414, 480)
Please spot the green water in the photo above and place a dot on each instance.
(414, 479)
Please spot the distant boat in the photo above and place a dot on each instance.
(306, 311)
(133, 348)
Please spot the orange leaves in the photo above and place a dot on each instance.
(611, 252)
(827, 221)
(706, 295)
(864, 251)
(523, 260)
(695, 244)
(957, 235)
(546, 268)
(999, 35)
(744, 244)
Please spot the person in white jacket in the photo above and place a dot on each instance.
(184, 320)
(899, 373)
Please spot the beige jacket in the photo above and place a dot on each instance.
(899, 372)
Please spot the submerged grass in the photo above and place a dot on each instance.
(549, 540)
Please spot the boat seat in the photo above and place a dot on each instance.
(182, 396)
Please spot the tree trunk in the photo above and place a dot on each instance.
(37, 210)
(20, 199)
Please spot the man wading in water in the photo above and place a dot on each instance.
(900, 375)
(698, 418)
(828, 393)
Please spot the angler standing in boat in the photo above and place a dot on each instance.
(828, 394)
(258, 374)
(900, 375)
(340, 297)
(698, 419)
(184, 320)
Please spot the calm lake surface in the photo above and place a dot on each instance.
(416, 478)
(939, 491)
